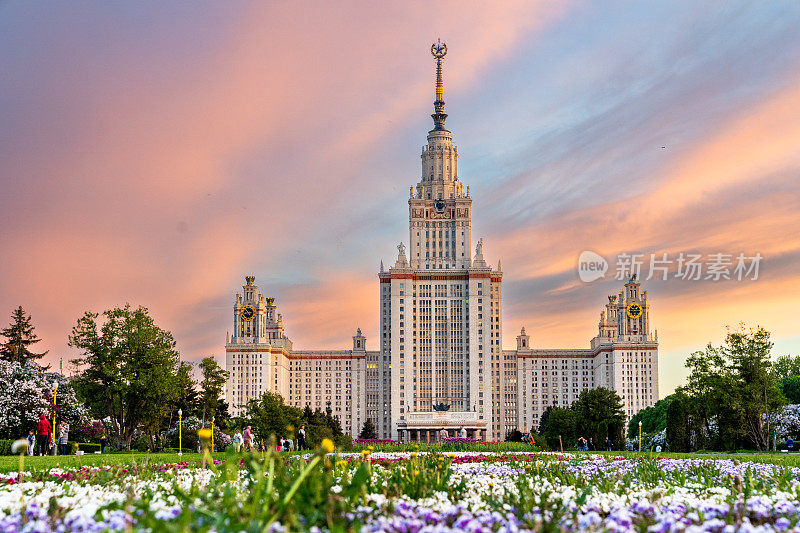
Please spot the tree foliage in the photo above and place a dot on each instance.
(653, 418)
(20, 337)
(128, 368)
(596, 414)
(26, 391)
(558, 422)
(730, 389)
(786, 366)
(211, 386)
(368, 430)
(790, 388)
(677, 423)
(270, 417)
(599, 414)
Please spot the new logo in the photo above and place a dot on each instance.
(591, 266)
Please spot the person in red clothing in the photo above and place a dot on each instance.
(43, 435)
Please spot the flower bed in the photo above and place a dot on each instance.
(409, 492)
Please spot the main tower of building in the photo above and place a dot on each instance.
(439, 365)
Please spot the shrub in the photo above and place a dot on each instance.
(5, 446)
(87, 447)
(343, 442)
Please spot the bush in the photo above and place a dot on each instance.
(343, 442)
(141, 444)
(5, 446)
(86, 447)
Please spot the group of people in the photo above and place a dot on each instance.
(244, 440)
(588, 445)
(41, 442)
(518, 436)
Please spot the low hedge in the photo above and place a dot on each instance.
(85, 447)
(5, 446)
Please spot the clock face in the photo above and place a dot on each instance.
(248, 312)
(439, 205)
(634, 310)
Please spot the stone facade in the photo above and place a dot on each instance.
(260, 358)
(440, 363)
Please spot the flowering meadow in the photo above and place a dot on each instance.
(407, 492)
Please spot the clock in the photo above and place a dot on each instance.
(634, 310)
(248, 313)
(439, 205)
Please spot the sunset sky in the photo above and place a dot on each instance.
(156, 153)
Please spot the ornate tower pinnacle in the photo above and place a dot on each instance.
(439, 50)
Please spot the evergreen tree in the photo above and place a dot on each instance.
(368, 430)
(20, 337)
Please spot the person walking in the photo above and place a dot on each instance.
(63, 437)
(462, 433)
(43, 435)
(301, 438)
(31, 442)
(103, 442)
(591, 444)
(248, 439)
(443, 434)
(237, 441)
(609, 444)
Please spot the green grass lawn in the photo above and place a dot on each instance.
(11, 463)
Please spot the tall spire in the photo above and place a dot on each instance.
(439, 50)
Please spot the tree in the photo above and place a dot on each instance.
(26, 391)
(270, 417)
(730, 389)
(214, 378)
(749, 354)
(368, 430)
(786, 366)
(19, 337)
(128, 370)
(559, 422)
(653, 418)
(599, 414)
(677, 423)
(188, 397)
(790, 388)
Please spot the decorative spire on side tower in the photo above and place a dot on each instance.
(439, 50)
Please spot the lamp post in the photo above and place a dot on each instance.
(180, 436)
(640, 436)
(55, 392)
(212, 436)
